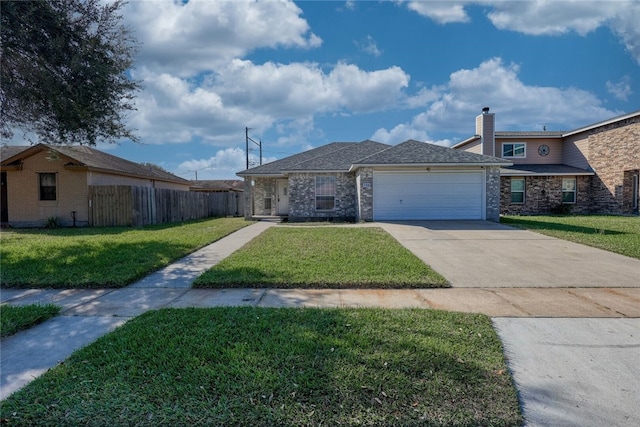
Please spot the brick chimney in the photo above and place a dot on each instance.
(485, 128)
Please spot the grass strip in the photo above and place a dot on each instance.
(252, 366)
(619, 234)
(101, 256)
(322, 257)
(15, 318)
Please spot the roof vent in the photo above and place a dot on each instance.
(485, 110)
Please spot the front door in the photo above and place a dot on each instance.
(282, 189)
(3, 198)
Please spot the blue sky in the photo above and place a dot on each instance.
(302, 74)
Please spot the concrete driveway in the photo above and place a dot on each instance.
(569, 371)
(483, 254)
(575, 372)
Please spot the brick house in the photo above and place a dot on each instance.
(369, 181)
(592, 169)
(43, 181)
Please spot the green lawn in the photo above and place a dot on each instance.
(16, 318)
(322, 257)
(620, 234)
(266, 367)
(101, 257)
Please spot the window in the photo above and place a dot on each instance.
(636, 192)
(47, 186)
(268, 195)
(325, 193)
(568, 190)
(514, 149)
(517, 190)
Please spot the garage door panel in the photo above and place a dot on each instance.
(428, 195)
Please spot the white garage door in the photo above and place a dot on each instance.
(428, 195)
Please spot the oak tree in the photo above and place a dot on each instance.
(64, 70)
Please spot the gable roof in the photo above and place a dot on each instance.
(277, 167)
(347, 156)
(425, 154)
(83, 156)
(339, 160)
(8, 151)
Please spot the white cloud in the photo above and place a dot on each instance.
(222, 165)
(542, 17)
(545, 17)
(369, 46)
(443, 12)
(216, 107)
(625, 25)
(187, 38)
(621, 89)
(517, 105)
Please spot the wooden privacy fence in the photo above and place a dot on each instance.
(122, 205)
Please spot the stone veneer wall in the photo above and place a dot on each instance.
(262, 189)
(613, 150)
(492, 174)
(543, 195)
(302, 197)
(364, 181)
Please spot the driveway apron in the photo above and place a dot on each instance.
(575, 372)
(483, 254)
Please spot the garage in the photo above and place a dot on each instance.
(428, 195)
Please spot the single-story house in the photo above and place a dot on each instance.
(592, 169)
(371, 181)
(218, 185)
(44, 181)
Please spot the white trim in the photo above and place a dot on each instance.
(635, 188)
(525, 174)
(575, 192)
(524, 190)
(429, 165)
(603, 123)
(514, 148)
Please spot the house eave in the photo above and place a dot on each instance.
(318, 171)
(525, 173)
(261, 175)
(466, 141)
(524, 136)
(427, 165)
(131, 175)
(602, 123)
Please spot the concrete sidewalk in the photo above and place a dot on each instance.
(89, 314)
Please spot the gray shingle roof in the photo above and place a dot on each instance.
(421, 153)
(543, 170)
(344, 156)
(218, 185)
(86, 156)
(9, 151)
(340, 160)
(276, 167)
(531, 134)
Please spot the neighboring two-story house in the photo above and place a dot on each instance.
(593, 169)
